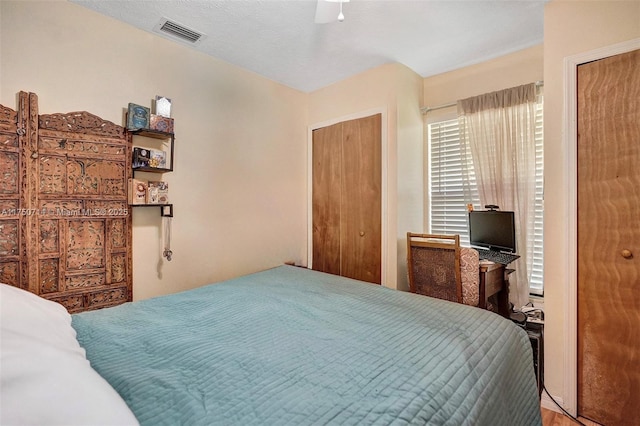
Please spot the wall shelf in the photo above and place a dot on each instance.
(152, 169)
(157, 134)
(166, 210)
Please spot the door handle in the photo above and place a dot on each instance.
(626, 254)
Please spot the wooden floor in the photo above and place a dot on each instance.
(551, 418)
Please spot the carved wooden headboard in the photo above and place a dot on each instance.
(65, 225)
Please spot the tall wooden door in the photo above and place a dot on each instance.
(609, 239)
(347, 199)
(70, 240)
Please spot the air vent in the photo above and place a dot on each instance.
(175, 30)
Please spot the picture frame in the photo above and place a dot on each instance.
(157, 192)
(163, 106)
(138, 117)
(157, 159)
(141, 157)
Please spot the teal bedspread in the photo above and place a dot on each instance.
(290, 346)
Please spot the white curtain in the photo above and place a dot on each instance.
(499, 129)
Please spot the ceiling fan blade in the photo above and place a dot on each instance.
(327, 11)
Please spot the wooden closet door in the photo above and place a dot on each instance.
(609, 239)
(326, 187)
(347, 204)
(360, 227)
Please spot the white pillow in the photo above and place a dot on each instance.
(45, 377)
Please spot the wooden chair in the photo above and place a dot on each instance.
(439, 267)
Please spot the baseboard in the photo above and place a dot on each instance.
(547, 402)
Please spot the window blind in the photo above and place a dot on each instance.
(449, 193)
(536, 280)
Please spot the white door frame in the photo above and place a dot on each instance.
(384, 155)
(571, 63)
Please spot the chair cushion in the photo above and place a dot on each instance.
(469, 261)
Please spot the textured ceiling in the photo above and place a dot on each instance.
(278, 39)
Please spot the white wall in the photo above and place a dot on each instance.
(239, 185)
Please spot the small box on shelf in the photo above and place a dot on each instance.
(157, 192)
(137, 191)
(160, 123)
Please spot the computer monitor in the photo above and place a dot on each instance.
(492, 229)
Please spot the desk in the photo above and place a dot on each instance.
(494, 281)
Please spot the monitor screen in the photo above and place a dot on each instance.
(492, 229)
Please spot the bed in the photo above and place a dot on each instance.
(285, 346)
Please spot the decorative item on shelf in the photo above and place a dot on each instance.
(167, 253)
(137, 117)
(163, 106)
(157, 192)
(141, 157)
(157, 159)
(161, 123)
(137, 191)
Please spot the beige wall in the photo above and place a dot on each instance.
(410, 167)
(239, 185)
(522, 67)
(570, 28)
(395, 89)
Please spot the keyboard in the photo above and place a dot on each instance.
(497, 256)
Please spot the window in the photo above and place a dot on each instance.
(449, 192)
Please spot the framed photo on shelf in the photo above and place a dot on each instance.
(157, 159)
(138, 117)
(163, 106)
(137, 191)
(157, 192)
(141, 157)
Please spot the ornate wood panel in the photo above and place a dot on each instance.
(76, 227)
(13, 203)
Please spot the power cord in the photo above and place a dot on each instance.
(566, 413)
(532, 312)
